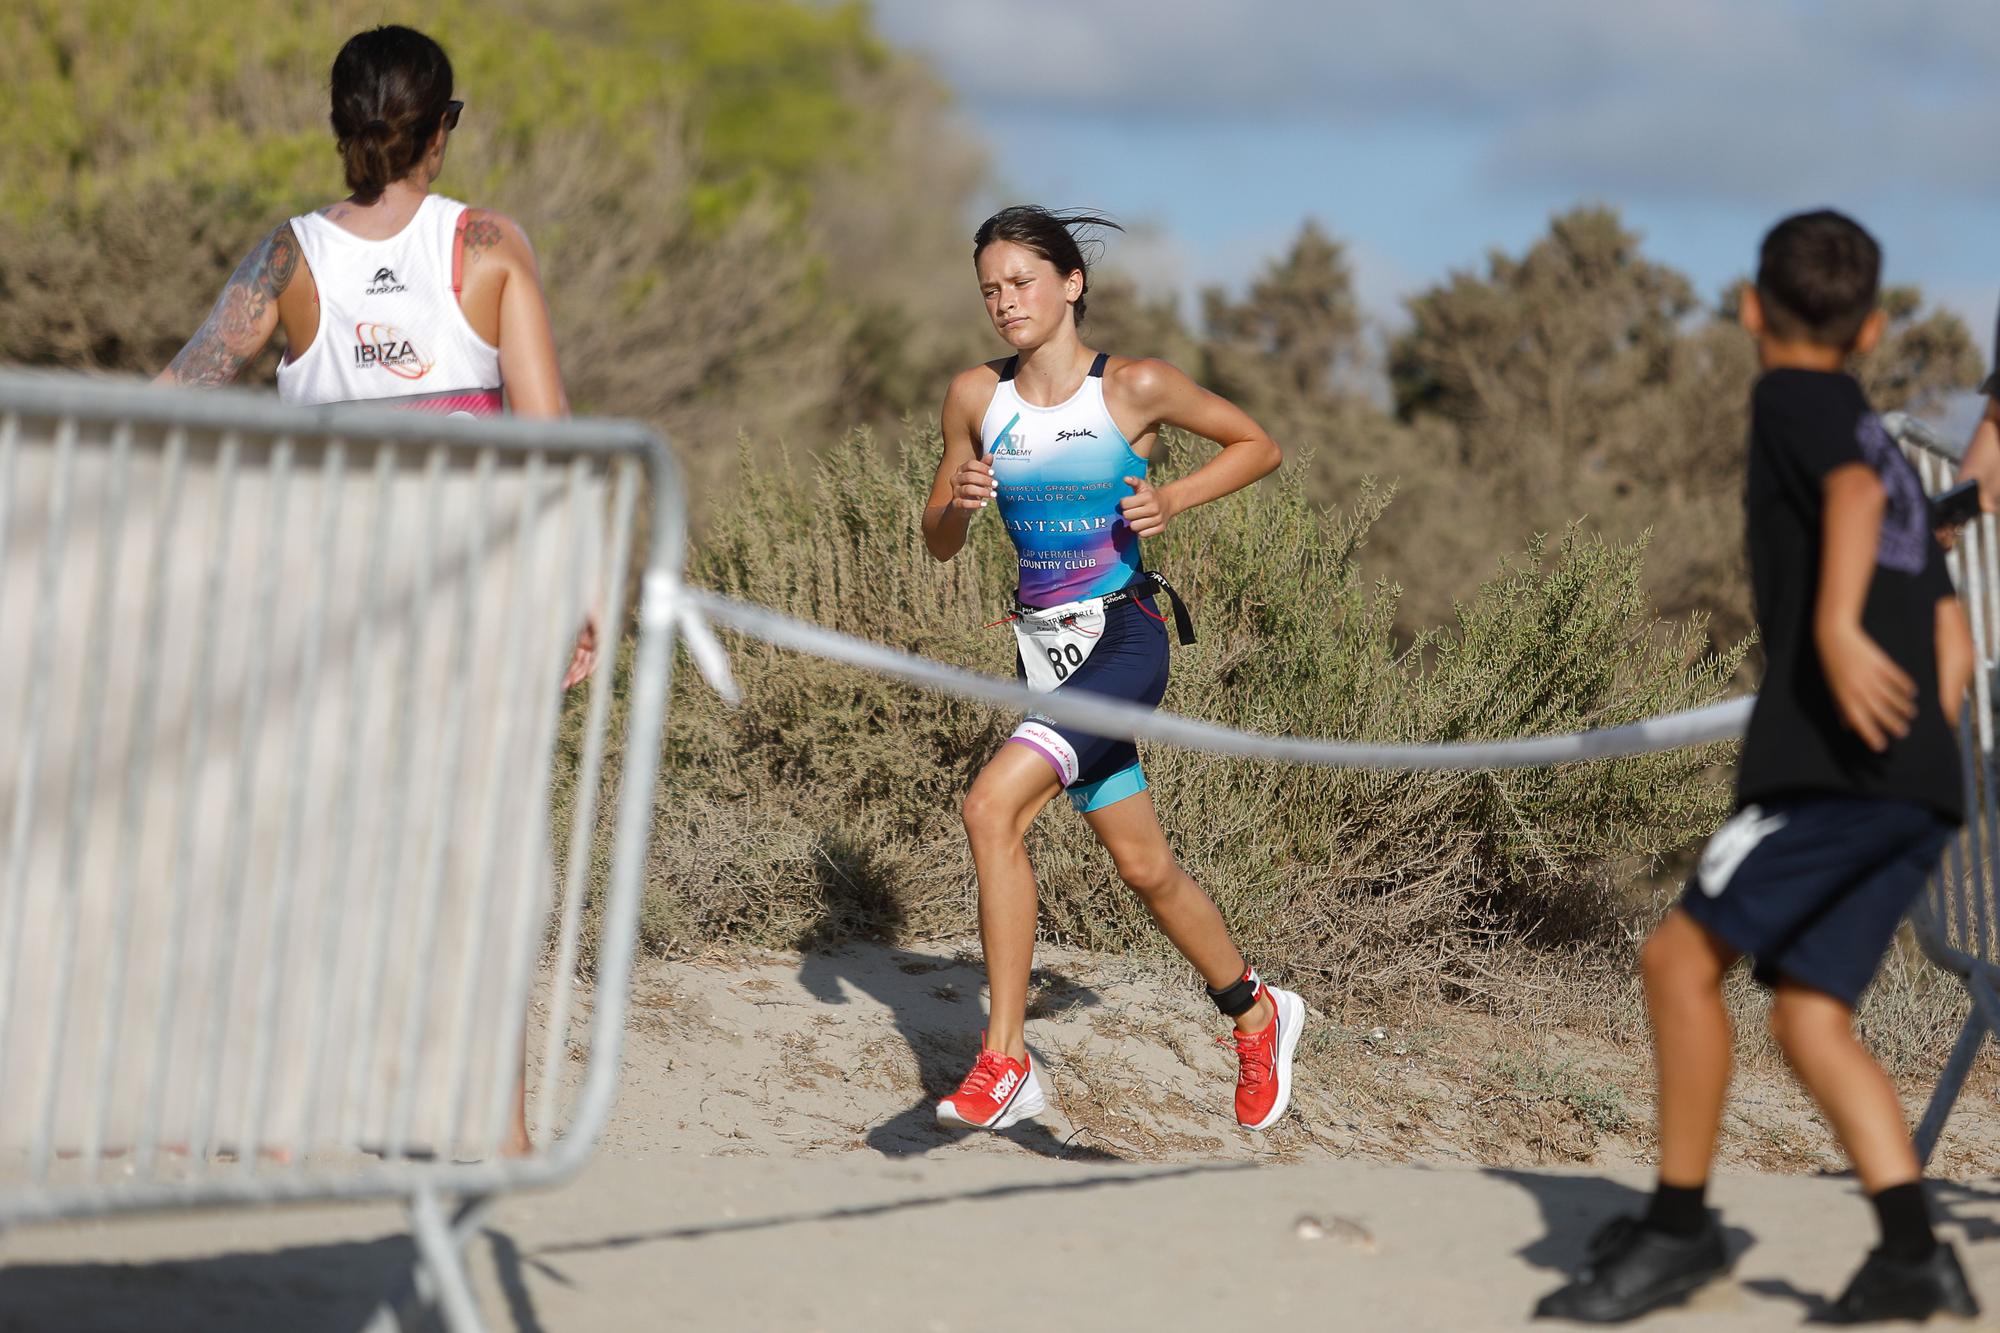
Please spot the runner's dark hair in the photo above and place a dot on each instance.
(390, 87)
(1054, 236)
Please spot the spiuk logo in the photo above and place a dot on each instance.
(1062, 435)
(384, 282)
(385, 347)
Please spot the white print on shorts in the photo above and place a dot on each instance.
(1731, 844)
(1055, 642)
(1049, 742)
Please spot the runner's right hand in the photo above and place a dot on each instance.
(972, 485)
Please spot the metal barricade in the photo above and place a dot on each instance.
(1955, 919)
(282, 916)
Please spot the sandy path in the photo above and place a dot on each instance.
(772, 1165)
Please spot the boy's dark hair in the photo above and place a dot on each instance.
(1817, 277)
(1051, 235)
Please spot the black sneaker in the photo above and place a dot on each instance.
(1631, 1269)
(1891, 1288)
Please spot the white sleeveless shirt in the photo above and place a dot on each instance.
(390, 326)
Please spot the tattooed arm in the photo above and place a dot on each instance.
(503, 285)
(244, 318)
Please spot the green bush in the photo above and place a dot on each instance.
(826, 804)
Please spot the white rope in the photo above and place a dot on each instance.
(1104, 716)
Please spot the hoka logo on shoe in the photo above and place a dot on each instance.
(1005, 1087)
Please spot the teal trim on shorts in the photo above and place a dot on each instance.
(1088, 796)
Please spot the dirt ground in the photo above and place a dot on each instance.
(773, 1164)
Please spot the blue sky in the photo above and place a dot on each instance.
(1424, 133)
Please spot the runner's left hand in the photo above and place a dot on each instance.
(1145, 509)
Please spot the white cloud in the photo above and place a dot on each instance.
(1710, 98)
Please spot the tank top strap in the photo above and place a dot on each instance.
(1007, 371)
(1097, 366)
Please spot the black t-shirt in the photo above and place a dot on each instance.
(1803, 425)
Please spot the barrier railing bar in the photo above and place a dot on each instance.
(193, 748)
(83, 785)
(273, 1002)
(133, 801)
(583, 818)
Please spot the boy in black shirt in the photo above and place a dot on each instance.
(1847, 791)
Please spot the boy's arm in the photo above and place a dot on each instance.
(1955, 656)
(1876, 698)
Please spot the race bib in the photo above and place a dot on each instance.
(1055, 642)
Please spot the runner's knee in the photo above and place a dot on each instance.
(988, 815)
(1149, 873)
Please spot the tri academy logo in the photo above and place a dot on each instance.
(383, 283)
(383, 347)
(1007, 444)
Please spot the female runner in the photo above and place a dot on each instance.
(394, 295)
(1059, 434)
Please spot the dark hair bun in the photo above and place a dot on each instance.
(390, 88)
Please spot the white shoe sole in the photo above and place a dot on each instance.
(1027, 1103)
(1291, 1022)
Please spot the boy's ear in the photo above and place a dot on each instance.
(1872, 330)
(1750, 311)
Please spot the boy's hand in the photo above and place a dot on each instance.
(1876, 698)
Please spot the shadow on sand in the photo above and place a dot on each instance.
(935, 1002)
(325, 1288)
(1574, 1207)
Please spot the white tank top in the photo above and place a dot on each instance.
(1059, 473)
(390, 327)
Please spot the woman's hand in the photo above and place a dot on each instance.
(584, 657)
(1146, 510)
(972, 485)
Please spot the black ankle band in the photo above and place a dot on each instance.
(1238, 999)
(1678, 1210)
(1905, 1216)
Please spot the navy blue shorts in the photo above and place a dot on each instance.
(1129, 663)
(1813, 888)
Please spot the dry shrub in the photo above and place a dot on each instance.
(827, 803)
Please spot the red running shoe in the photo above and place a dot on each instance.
(1264, 1069)
(998, 1092)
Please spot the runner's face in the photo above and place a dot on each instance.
(1026, 298)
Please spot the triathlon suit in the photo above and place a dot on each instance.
(1060, 472)
(390, 327)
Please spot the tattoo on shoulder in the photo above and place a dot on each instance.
(240, 324)
(482, 234)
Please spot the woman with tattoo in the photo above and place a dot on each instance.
(395, 296)
(394, 293)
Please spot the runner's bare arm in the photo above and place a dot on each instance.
(528, 366)
(244, 318)
(1163, 396)
(964, 481)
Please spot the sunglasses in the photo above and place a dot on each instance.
(451, 113)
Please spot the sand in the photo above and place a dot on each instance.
(772, 1164)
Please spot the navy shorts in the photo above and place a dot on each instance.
(1813, 888)
(1129, 663)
